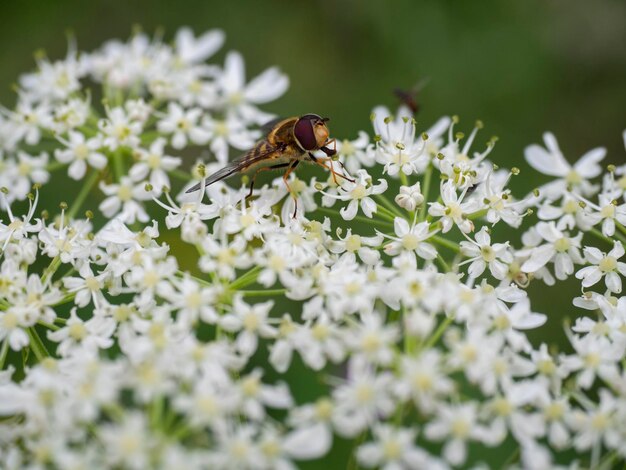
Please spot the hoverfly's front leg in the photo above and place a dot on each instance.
(292, 166)
(265, 168)
(320, 161)
(330, 152)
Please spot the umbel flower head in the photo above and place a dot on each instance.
(145, 327)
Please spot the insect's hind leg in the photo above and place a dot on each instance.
(265, 168)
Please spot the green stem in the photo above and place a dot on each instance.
(425, 190)
(410, 342)
(64, 300)
(477, 214)
(596, 233)
(360, 218)
(156, 412)
(262, 293)
(353, 463)
(194, 278)
(4, 350)
(386, 213)
(620, 227)
(247, 278)
(48, 325)
(437, 334)
(37, 344)
(404, 181)
(118, 164)
(181, 175)
(82, 195)
(607, 461)
(51, 269)
(388, 204)
(442, 263)
(53, 166)
(447, 243)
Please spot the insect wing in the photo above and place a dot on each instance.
(257, 154)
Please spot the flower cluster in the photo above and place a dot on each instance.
(391, 290)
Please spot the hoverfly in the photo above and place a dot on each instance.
(288, 142)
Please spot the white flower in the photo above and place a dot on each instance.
(597, 425)
(608, 211)
(28, 169)
(128, 442)
(604, 265)
(183, 125)
(398, 148)
(500, 202)
(155, 163)
(83, 337)
(123, 200)
(593, 357)
(357, 153)
(28, 119)
(87, 287)
(410, 197)
(569, 214)
(67, 240)
(230, 131)
(454, 162)
(224, 256)
(410, 238)
(424, 380)
(550, 161)
(560, 248)
(18, 228)
(363, 246)
(358, 193)
(190, 49)
(119, 129)
(394, 449)
(456, 424)
(483, 254)
(362, 401)
(240, 98)
(453, 210)
(79, 152)
(250, 321)
(372, 338)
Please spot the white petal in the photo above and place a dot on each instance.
(614, 282)
(546, 162)
(308, 443)
(268, 86)
(234, 73)
(349, 212)
(588, 166)
(538, 259)
(368, 206)
(401, 226)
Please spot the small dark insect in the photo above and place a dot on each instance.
(287, 143)
(409, 97)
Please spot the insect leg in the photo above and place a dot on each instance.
(265, 168)
(320, 162)
(292, 167)
(328, 151)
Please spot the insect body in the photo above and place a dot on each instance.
(288, 142)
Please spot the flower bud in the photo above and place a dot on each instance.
(410, 197)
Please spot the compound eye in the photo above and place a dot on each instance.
(304, 133)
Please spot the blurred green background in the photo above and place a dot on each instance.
(523, 67)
